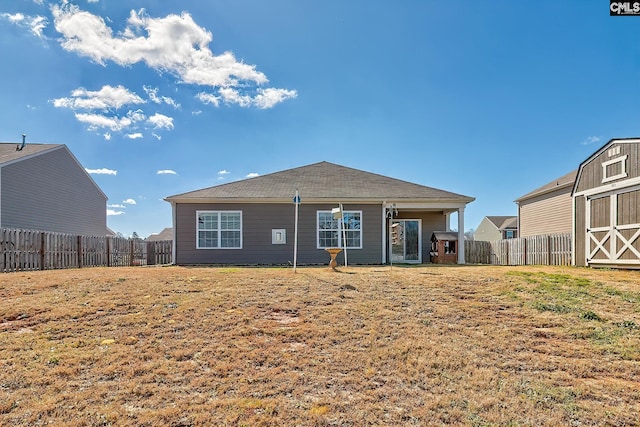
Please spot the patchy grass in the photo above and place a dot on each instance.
(477, 346)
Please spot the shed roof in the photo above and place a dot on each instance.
(320, 181)
(444, 235)
(564, 181)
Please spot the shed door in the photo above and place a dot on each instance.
(599, 230)
(613, 233)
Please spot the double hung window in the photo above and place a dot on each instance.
(219, 230)
(330, 233)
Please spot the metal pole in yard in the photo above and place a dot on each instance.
(344, 236)
(296, 201)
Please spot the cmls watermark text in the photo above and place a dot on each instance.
(624, 8)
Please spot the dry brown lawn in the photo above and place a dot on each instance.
(176, 346)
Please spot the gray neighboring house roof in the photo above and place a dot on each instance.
(165, 234)
(562, 182)
(321, 181)
(504, 222)
(9, 153)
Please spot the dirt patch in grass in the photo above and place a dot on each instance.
(429, 345)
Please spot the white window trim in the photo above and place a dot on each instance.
(219, 230)
(623, 171)
(274, 236)
(340, 244)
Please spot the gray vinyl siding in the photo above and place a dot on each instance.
(546, 214)
(258, 219)
(487, 231)
(51, 192)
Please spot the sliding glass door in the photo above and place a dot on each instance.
(406, 241)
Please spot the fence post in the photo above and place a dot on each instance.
(130, 252)
(549, 257)
(108, 252)
(79, 252)
(42, 240)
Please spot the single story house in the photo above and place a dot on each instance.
(606, 207)
(494, 228)
(547, 209)
(252, 221)
(43, 187)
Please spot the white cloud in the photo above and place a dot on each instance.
(156, 136)
(116, 206)
(152, 93)
(107, 136)
(160, 121)
(111, 212)
(591, 140)
(267, 98)
(166, 172)
(223, 172)
(252, 175)
(34, 23)
(136, 135)
(129, 202)
(102, 171)
(174, 43)
(232, 96)
(208, 98)
(113, 123)
(104, 99)
(96, 121)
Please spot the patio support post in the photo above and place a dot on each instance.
(461, 235)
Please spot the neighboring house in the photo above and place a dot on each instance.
(494, 228)
(165, 234)
(547, 209)
(252, 221)
(606, 203)
(44, 187)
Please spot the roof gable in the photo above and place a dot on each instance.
(320, 181)
(9, 154)
(598, 153)
(503, 222)
(564, 181)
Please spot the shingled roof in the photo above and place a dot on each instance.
(504, 222)
(562, 182)
(9, 153)
(320, 181)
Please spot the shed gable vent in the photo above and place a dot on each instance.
(613, 151)
(614, 169)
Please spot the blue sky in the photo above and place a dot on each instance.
(489, 99)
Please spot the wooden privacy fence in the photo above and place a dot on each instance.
(548, 249)
(23, 250)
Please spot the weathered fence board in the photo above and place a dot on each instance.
(25, 250)
(550, 249)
